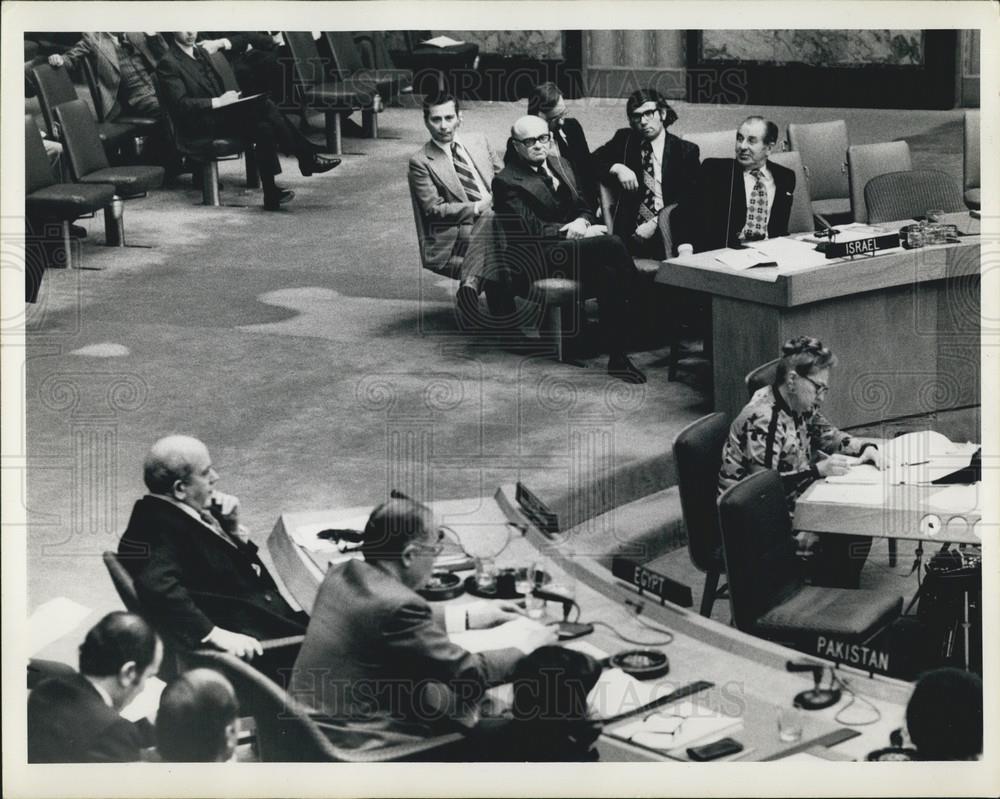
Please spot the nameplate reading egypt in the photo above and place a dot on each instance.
(649, 581)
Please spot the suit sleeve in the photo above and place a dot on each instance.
(412, 637)
(609, 154)
(519, 218)
(120, 742)
(175, 91)
(161, 589)
(787, 187)
(82, 49)
(432, 205)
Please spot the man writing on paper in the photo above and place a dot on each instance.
(782, 428)
(377, 666)
(746, 199)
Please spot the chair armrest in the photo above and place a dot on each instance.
(663, 221)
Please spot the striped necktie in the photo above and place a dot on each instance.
(465, 174)
(756, 225)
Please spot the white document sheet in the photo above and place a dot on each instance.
(145, 703)
(861, 474)
(679, 725)
(957, 499)
(616, 692)
(848, 494)
(506, 635)
(741, 259)
(52, 620)
(790, 254)
(442, 41)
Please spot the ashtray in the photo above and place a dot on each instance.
(441, 586)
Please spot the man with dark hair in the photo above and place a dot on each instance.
(197, 721)
(75, 719)
(549, 230)
(194, 90)
(196, 571)
(748, 198)
(377, 666)
(450, 180)
(944, 717)
(546, 101)
(649, 169)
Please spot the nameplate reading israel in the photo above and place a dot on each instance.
(868, 246)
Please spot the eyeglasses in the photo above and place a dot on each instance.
(530, 142)
(436, 548)
(642, 116)
(821, 388)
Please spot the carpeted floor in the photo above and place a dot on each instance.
(321, 365)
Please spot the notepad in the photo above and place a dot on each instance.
(744, 259)
(678, 726)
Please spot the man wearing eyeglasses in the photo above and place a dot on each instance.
(550, 231)
(377, 667)
(649, 169)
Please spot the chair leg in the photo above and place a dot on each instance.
(333, 137)
(708, 597)
(675, 349)
(210, 183)
(369, 123)
(253, 174)
(892, 551)
(114, 223)
(67, 243)
(557, 325)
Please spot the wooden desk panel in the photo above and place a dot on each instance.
(904, 327)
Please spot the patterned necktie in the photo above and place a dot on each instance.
(756, 226)
(647, 208)
(465, 174)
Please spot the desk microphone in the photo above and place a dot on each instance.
(816, 698)
(567, 629)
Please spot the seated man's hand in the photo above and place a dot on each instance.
(576, 229)
(626, 177)
(243, 646)
(531, 635)
(834, 465)
(484, 204)
(212, 45)
(228, 98)
(806, 542)
(56, 60)
(596, 230)
(647, 229)
(489, 614)
(873, 456)
(227, 509)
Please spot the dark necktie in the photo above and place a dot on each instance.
(756, 225)
(647, 208)
(543, 173)
(465, 175)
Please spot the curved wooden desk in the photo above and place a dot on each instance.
(904, 325)
(749, 674)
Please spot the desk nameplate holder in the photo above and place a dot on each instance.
(537, 511)
(649, 581)
(869, 246)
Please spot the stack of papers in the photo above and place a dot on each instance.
(678, 726)
(617, 692)
(442, 41)
(743, 259)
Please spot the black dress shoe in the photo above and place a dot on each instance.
(467, 306)
(77, 232)
(274, 200)
(621, 367)
(317, 164)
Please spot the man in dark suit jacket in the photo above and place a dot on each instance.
(649, 169)
(75, 718)
(728, 188)
(549, 230)
(546, 101)
(377, 666)
(196, 572)
(193, 89)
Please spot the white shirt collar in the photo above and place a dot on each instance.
(658, 144)
(447, 147)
